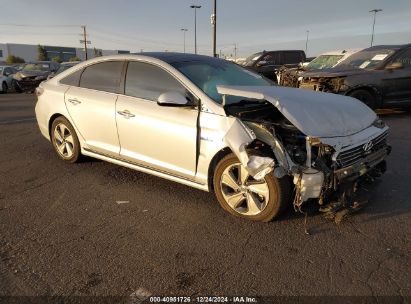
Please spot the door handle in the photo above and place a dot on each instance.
(74, 101)
(126, 113)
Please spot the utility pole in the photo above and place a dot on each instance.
(184, 30)
(235, 51)
(306, 42)
(214, 25)
(85, 40)
(195, 26)
(375, 11)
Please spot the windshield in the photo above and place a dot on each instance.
(249, 61)
(324, 62)
(366, 59)
(37, 67)
(207, 75)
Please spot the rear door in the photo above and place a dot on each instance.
(92, 103)
(292, 59)
(159, 137)
(397, 83)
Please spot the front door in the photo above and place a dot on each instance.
(158, 137)
(397, 83)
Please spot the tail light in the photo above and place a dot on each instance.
(39, 91)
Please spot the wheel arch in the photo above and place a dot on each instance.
(213, 164)
(253, 146)
(53, 118)
(369, 88)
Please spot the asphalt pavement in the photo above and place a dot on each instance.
(95, 228)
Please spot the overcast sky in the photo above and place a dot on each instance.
(154, 25)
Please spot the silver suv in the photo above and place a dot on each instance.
(215, 126)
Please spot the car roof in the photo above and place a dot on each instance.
(393, 47)
(70, 62)
(39, 62)
(341, 52)
(174, 57)
(284, 51)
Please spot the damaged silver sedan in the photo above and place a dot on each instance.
(212, 125)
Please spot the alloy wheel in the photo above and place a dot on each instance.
(63, 140)
(243, 193)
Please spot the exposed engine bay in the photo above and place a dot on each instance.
(323, 84)
(289, 77)
(317, 170)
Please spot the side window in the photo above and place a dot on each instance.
(269, 59)
(73, 79)
(147, 81)
(292, 57)
(404, 58)
(7, 72)
(104, 76)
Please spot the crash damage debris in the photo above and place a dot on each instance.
(302, 144)
(238, 138)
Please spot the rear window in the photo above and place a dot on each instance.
(103, 76)
(73, 79)
(292, 57)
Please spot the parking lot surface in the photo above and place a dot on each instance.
(95, 228)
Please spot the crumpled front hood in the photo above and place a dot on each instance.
(315, 114)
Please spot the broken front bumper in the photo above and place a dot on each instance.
(27, 85)
(363, 166)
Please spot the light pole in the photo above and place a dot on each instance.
(306, 42)
(195, 26)
(184, 30)
(214, 25)
(375, 11)
(235, 52)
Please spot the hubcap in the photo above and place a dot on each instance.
(63, 140)
(242, 193)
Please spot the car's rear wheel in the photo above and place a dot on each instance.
(4, 88)
(65, 141)
(366, 97)
(243, 196)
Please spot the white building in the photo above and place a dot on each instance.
(29, 52)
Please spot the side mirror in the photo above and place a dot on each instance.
(394, 66)
(173, 99)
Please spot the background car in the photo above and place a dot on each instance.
(6, 77)
(63, 66)
(32, 74)
(379, 76)
(289, 77)
(267, 63)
